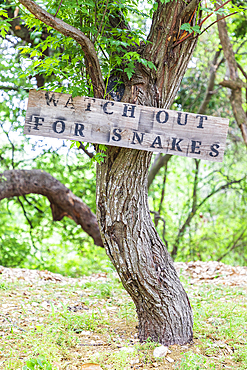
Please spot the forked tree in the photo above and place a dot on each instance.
(145, 73)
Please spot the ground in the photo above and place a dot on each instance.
(48, 321)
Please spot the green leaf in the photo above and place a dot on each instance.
(196, 29)
(130, 69)
(186, 27)
(103, 147)
(151, 65)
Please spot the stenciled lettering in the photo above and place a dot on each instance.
(89, 104)
(116, 133)
(179, 121)
(70, 102)
(139, 139)
(194, 146)
(54, 126)
(51, 99)
(214, 152)
(79, 127)
(157, 141)
(129, 108)
(201, 118)
(175, 144)
(105, 107)
(158, 118)
(37, 124)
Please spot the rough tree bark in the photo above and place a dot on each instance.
(129, 236)
(128, 233)
(63, 202)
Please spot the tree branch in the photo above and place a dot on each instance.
(92, 61)
(210, 87)
(90, 155)
(234, 246)
(159, 162)
(14, 88)
(62, 201)
(192, 212)
(242, 70)
(189, 9)
(234, 82)
(165, 30)
(195, 209)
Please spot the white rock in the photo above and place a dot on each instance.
(169, 359)
(160, 351)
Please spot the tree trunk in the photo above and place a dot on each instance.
(136, 250)
(128, 233)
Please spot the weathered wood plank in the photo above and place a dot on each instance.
(126, 125)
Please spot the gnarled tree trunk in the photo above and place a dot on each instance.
(136, 250)
(131, 241)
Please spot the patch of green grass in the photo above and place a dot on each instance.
(220, 316)
(120, 360)
(4, 285)
(104, 290)
(193, 361)
(83, 321)
(39, 363)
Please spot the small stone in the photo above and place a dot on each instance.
(86, 332)
(169, 359)
(160, 351)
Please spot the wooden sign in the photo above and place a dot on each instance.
(127, 125)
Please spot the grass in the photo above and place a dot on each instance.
(54, 326)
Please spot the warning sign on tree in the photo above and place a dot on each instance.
(127, 125)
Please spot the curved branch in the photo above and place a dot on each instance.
(233, 84)
(211, 82)
(159, 162)
(189, 9)
(92, 61)
(62, 201)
